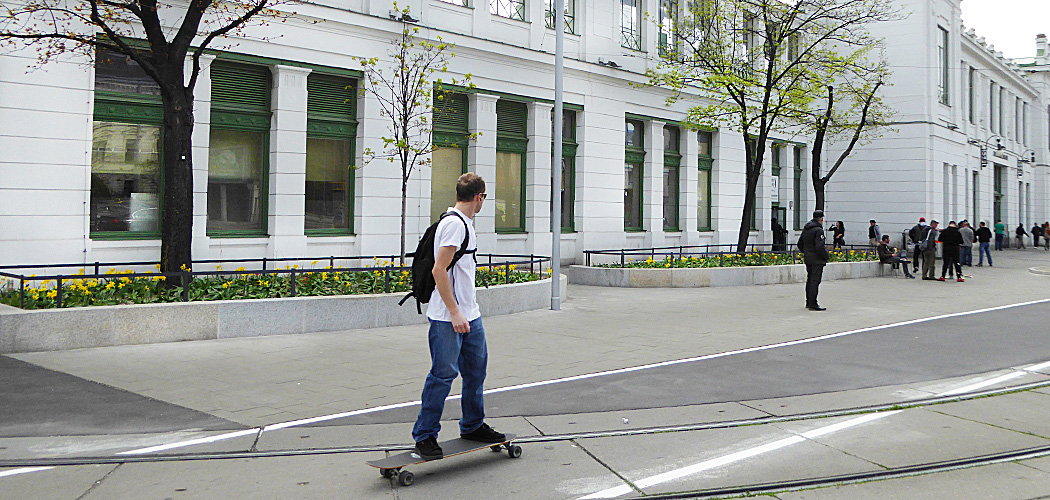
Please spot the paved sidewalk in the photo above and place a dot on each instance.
(264, 380)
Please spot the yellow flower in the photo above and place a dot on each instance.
(513, 267)
(314, 263)
(324, 276)
(240, 269)
(226, 284)
(264, 283)
(110, 285)
(52, 294)
(218, 268)
(156, 266)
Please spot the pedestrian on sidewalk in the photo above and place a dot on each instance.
(888, 255)
(779, 236)
(915, 235)
(1046, 236)
(1020, 233)
(966, 257)
(457, 336)
(928, 246)
(838, 235)
(984, 238)
(1037, 232)
(815, 255)
(1000, 235)
(951, 240)
(874, 235)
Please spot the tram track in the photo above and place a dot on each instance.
(542, 438)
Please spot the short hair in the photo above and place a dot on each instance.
(468, 186)
(885, 237)
(983, 224)
(872, 221)
(818, 214)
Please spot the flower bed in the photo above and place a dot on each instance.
(239, 284)
(740, 260)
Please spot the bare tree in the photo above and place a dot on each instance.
(760, 66)
(169, 30)
(408, 97)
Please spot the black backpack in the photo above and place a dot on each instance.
(423, 263)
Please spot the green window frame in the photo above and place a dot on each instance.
(704, 165)
(240, 105)
(450, 136)
(672, 178)
(125, 99)
(331, 127)
(511, 145)
(568, 173)
(569, 17)
(634, 175)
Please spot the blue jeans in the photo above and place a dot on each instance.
(998, 242)
(967, 255)
(453, 353)
(981, 252)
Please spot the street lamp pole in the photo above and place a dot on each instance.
(556, 163)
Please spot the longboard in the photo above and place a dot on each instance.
(394, 464)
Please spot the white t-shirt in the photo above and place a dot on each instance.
(450, 234)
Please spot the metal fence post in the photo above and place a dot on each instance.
(186, 286)
(386, 280)
(21, 293)
(622, 263)
(532, 258)
(507, 269)
(293, 283)
(58, 296)
(331, 261)
(264, 264)
(96, 266)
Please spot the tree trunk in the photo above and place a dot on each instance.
(176, 224)
(404, 211)
(818, 194)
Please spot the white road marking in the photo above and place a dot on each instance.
(737, 456)
(294, 423)
(22, 470)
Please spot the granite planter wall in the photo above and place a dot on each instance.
(74, 328)
(717, 276)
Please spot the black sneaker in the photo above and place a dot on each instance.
(484, 434)
(429, 449)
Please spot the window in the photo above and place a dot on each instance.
(672, 164)
(568, 169)
(510, 9)
(668, 27)
(633, 166)
(798, 190)
(569, 16)
(703, 186)
(971, 96)
(449, 158)
(239, 149)
(1017, 119)
(126, 150)
(997, 193)
(792, 49)
(331, 127)
(1002, 107)
(991, 107)
(703, 12)
(1024, 124)
(630, 24)
(976, 197)
(942, 61)
(511, 144)
(750, 32)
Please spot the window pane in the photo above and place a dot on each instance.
(512, 9)
(671, 197)
(328, 203)
(634, 134)
(632, 193)
(125, 177)
(567, 166)
(703, 200)
(671, 141)
(444, 173)
(235, 180)
(705, 143)
(116, 72)
(630, 24)
(508, 190)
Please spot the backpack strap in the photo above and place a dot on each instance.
(463, 247)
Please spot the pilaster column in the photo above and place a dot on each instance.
(287, 179)
(653, 184)
(687, 188)
(481, 159)
(201, 138)
(539, 168)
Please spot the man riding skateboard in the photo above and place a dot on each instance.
(457, 337)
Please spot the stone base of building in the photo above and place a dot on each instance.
(718, 276)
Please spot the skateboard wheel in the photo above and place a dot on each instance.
(514, 451)
(495, 448)
(387, 473)
(405, 478)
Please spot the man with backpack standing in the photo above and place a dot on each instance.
(915, 235)
(928, 247)
(457, 337)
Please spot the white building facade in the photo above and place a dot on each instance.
(279, 140)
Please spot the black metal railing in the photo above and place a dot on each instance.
(721, 252)
(264, 267)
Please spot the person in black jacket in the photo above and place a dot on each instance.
(951, 239)
(779, 236)
(815, 255)
(984, 243)
(888, 255)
